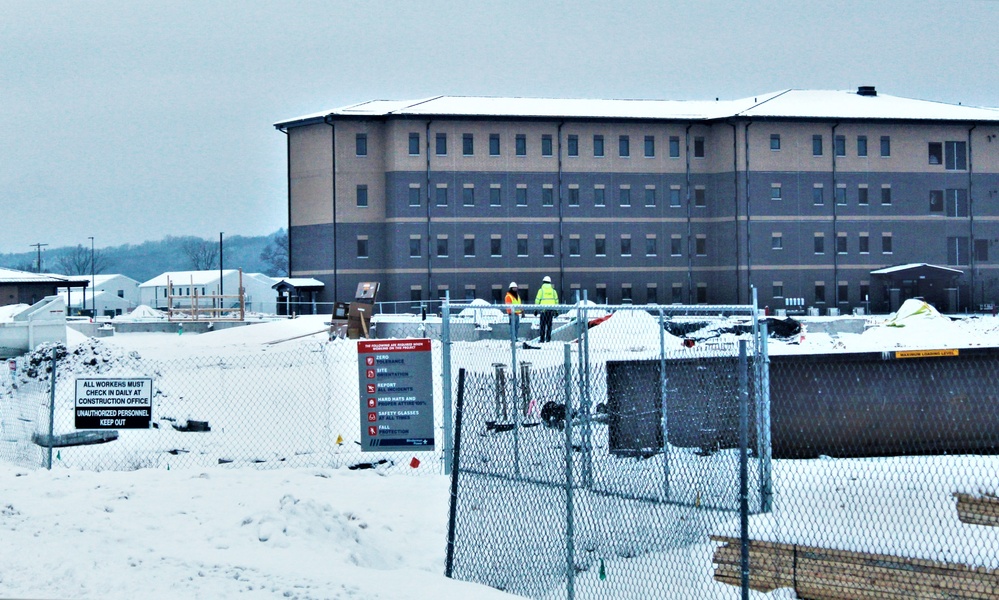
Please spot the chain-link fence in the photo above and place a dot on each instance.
(295, 406)
(635, 457)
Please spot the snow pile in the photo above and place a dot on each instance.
(141, 313)
(482, 316)
(8, 312)
(916, 324)
(631, 330)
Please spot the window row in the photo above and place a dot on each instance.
(819, 291)
(598, 148)
(839, 194)
(839, 145)
(442, 247)
(624, 195)
(628, 295)
(842, 242)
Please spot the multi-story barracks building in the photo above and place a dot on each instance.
(800, 194)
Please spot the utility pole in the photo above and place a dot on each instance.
(93, 282)
(220, 268)
(38, 264)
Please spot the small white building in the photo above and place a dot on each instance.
(112, 294)
(257, 289)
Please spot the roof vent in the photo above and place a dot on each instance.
(867, 90)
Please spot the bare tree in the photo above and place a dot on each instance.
(201, 255)
(275, 254)
(76, 261)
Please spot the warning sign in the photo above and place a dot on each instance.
(114, 403)
(396, 395)
(925, 353)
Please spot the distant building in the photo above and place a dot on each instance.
(800, 194)
(21, 287)
(113, 295)
(259, 294)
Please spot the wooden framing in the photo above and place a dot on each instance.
(978, 510)
(204, 307)
(827, 574)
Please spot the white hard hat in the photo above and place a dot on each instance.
(547, 279)
(513, 284)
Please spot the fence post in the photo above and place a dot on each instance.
(662, 401)
(446, 383)
(744, 468)
(52, 386)
(764, 444)
(570, 548)
(453, 512)
(584, 405)
(514, 329)
(525, 388)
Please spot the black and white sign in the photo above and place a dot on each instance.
(103, 403)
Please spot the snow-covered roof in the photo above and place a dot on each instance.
(299, 282)
(910, 266)
(187, 278)
(14, 276)
(788, 104)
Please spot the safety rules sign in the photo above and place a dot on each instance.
(114, 403)
(397, 395)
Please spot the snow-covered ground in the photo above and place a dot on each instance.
(218, 532)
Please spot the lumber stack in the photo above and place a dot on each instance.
(828, 574)
(978, 510)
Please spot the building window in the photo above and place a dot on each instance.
(841, 243)
(650, 245)
(496, 246)
(547, 196)
(573, 246)
(651, 294)
(441, 196)
(956, 156)
(650, 196)
(469, 293)
(775, 141)
(362, 247)
(674, 146)
(626, 294)
(467, 144)
(981, 250)
(699, 197)
(701, 245)
(778, 289)
(650, 146)
(624, 146)
(414, 144)
(862, 195)
(839, 145)
(548, 246)
(441, 144)
(600, 297)
(520, 144)
(625, 246)
(702, 293)
(494, 144)
(574, 196)
(470, 247)
(546, 145)
(818, 195)
(935, 153)
(624, 195)
(956, 202)
(936, 200)
(776, 241)
(598, 145)
(362, 196)
(600, 246)
(414, 196)
(521, 196)
(415, 296)
(820, 243)
(497, 295)
(674, 196)
(415, 251)
(361, 144)
(775, 191)
(676, 293)
(816, 145)
(495, 195)
(885, 194)
(521, 246)
(442, 247)
(886, 243)
(820, 292)
(572, 145)
(468, 196)
(861, 145)
(698, 147)
(885, 146)
(865, 244)
(675, 245)
(841, 194)
(843, 292)
(957, 251)
(598, 196)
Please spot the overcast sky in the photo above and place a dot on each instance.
(130, 121)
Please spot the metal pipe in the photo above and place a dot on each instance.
(570, 533)
(430, 280)
(52, 387)
(743, 470)
(446, 383)
(749, 235)
(971, 223)
(561, 217)
(735, 203)
(690, 259)
(453, 508)
(835, 223)
(329, 121)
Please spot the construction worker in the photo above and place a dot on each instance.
(546, 296)
(513, 299)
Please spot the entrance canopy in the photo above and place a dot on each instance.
(935, 284)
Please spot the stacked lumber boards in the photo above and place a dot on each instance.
(828, 574)
(978, 510)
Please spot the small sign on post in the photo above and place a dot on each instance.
(396, 395)
(119, 403)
